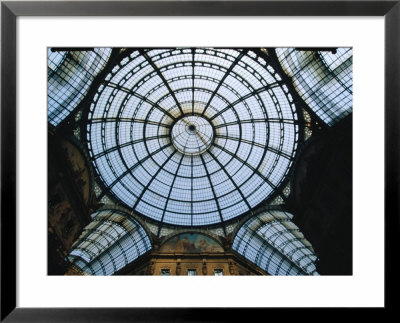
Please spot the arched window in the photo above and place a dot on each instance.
(323, 79)
(275, 244)
(110, 242)
(70, 74)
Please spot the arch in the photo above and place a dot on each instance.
(275, 244)
(110, 242)
(323, 79)
(70, 75)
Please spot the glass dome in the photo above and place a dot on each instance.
(192, 137)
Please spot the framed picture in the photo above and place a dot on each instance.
(188, 25)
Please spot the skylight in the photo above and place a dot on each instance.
(192, 137)
(323, 79)
(70, 74)
(275, 244)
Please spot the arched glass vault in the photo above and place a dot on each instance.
(323, 78)
(192, 136)
(275, 244)
(110, 242)
(70, 75)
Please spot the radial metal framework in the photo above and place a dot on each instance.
(192, 137)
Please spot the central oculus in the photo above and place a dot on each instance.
(192, 135)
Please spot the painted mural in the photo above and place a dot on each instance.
(191, 243)
(79, 169)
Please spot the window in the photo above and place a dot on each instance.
(165, 272)
(218, 272)
(192, 272)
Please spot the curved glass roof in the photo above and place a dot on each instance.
(274, 243)
(192, 136)
(108, 243)
(323, 79)
(70, 74)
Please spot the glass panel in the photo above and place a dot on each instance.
(271, 241)
(70, 75)
(323, 79)
(110, 242)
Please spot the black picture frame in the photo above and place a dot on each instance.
(10, 10)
